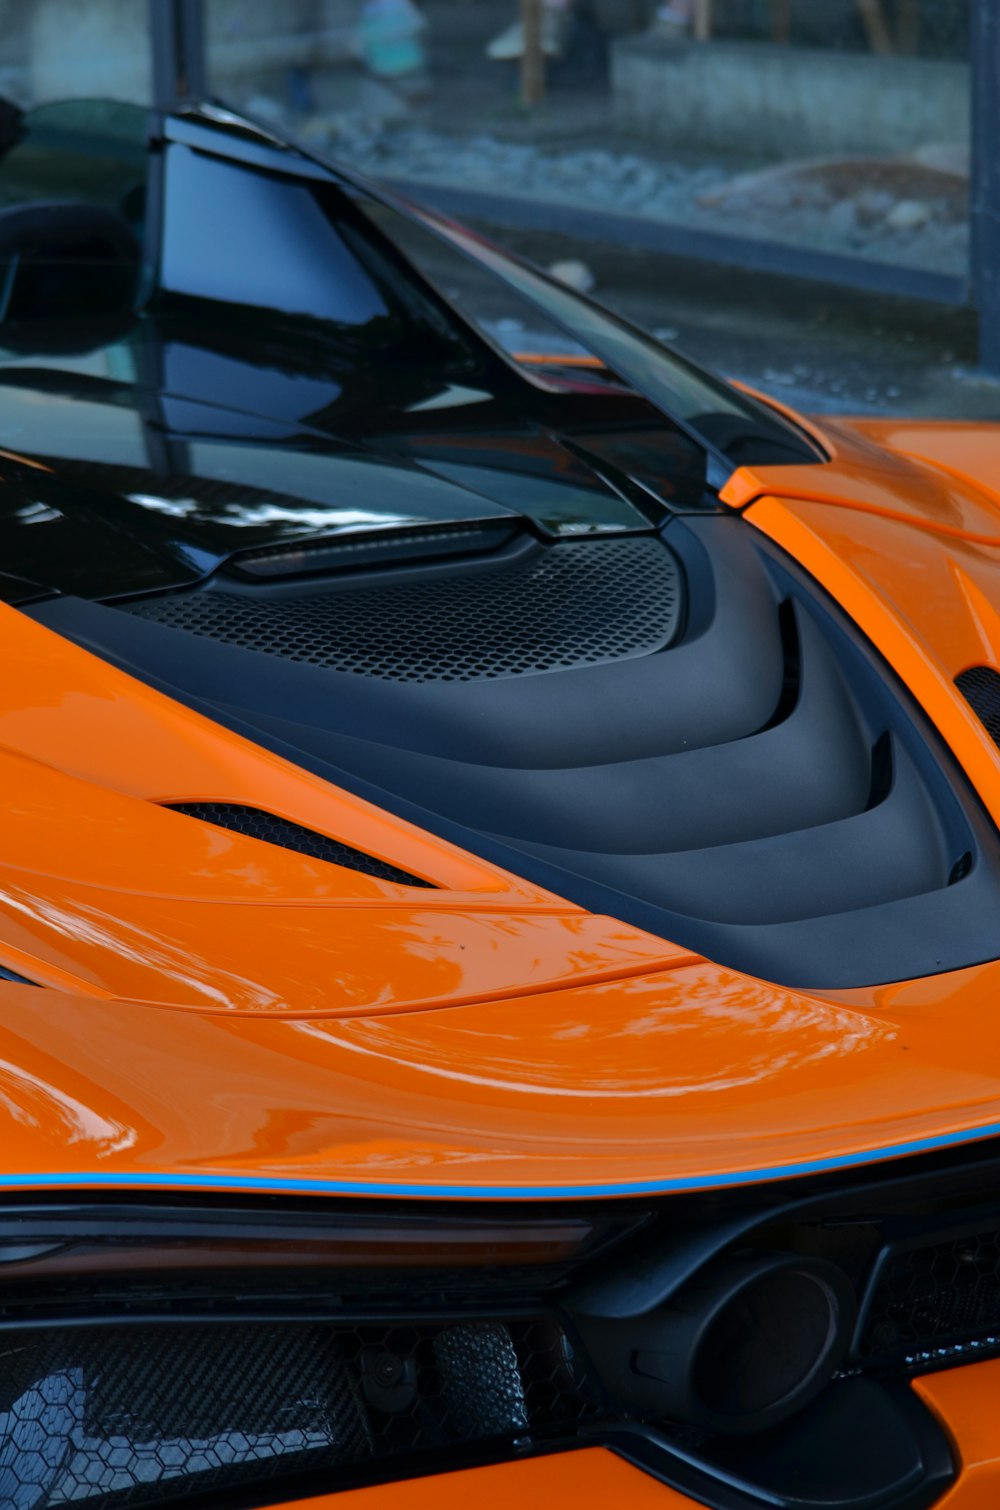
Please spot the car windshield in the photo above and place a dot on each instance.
(90, 151)
(227, 225)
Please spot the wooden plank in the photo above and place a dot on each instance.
(703, 20)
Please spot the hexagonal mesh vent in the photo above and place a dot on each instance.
(936, 1297)
(121, 1416)
(980, 686)
(256, 824)
(564, 606)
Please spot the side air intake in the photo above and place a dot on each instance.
(980, 686)
(256, 824)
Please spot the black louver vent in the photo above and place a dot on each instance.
(127, 1416)
(980, 686)
(14, 978)
(552, 609)
(760, 793)
(256, 824)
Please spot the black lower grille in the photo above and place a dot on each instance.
(934, 1298)
(980, 686)
(256, 824)
(124, 1415)
(542, 610)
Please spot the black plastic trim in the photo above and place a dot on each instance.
(18, 980)
(859, 1428)
(268, 828)
(980, 686)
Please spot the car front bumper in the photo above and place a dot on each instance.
(965, 1400)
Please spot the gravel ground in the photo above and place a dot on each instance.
(895, 211)
(621, 180)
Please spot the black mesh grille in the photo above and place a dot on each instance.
(563, 606)
(936, 1297)
(980, 687)
(125, 1415)
(256, 824)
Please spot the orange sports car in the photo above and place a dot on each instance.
(499, 880)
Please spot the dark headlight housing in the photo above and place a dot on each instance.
(749, 1342)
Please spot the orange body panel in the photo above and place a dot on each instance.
(104, 891)
(69, 709)
(967, 1402)
(577, 1054)
(863, 475)
(592, 1479)
(296, 1046)
(695, 1075)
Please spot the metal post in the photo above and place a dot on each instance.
(533, 56)
(985, 206)
(703, 20)
(178, 42)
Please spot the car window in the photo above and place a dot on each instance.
(88, 151)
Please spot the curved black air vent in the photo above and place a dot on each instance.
(980, 686)
(528, 609)
(764, 792)
(256, 824)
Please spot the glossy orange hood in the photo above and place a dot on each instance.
(671, 1080)
(218, 1018)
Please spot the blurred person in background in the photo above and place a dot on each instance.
(389, 39)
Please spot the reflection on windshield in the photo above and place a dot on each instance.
(733, 427)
